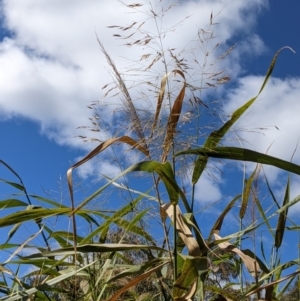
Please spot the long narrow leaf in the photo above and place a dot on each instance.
(51, 282)
(173, 120)
(261, 210)
(215, 137)
(23, 216)
(246, 193)
(218, 224)
(92, 154)
(10, 203)
(135, 281)
(193, 267)
(161, 97)
(282, 217)
(89, 248)
(243, 154)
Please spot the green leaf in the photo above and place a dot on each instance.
(259, 285)
(282, 217)
(116, 218)
(67, 274)
(193, 268)
(100, 248)
(293, 228)
(246, 193)
(243, 154)
(10, 203)
(86, 216)
(27, 215)
(262, 213)
(164, 170)
(218, 224)
(61, 240)
(15, 185)
(216, 136)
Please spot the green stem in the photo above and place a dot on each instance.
(193, 198)
(175, 243)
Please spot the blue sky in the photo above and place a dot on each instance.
(51, 69)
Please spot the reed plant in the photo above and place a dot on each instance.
(153, 247)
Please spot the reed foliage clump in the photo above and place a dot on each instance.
(148, 241)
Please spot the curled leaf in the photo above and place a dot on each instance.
(183, 230)
(250, 263)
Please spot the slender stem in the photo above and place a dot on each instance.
(175, 242)
(162, 218)
(193, 199)
(240, 260)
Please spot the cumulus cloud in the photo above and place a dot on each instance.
(52, 66)
(95, 167)
(207, 190)
(270, 126)
(294, 193)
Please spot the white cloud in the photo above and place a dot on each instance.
(294, 192)
(52, 67)
(271, 125)
(207, 190)
(98, 168)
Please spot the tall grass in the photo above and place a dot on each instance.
(124, 255)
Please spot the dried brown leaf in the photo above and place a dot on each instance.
(215, 74)
(173, 119)
(183, 230)
(124, 38)
(126, 28)
(140, 25)
(127, 101)
(135, 281)
(134, 5)
(222, 56)
(154, 61)
(147, 41)
(159, 102)
(223, 79)
(92, 154)
(107, 92)
(250, 263)
(154, 14)
(145, 56)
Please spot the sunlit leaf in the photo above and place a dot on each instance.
(10, 203)
(243, 154)
(216, 136)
